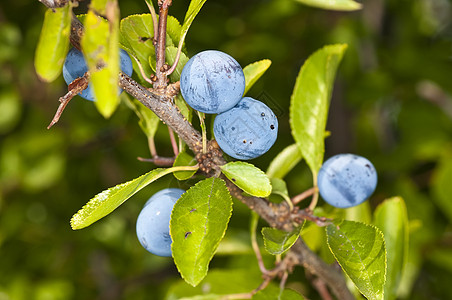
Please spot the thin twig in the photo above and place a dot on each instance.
(176, 59)
(140, 67)
(173, 142)
(320, 286)
(283, 281)
(315, 197)
(300, 197)
(152, 148)
(255, 245)
(159, 161)
(75, 87)
(161, 45)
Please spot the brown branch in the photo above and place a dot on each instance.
(75, 87)
(164, 108)
(76, 32)
(159, 161)
(161, 45)
(313, 264)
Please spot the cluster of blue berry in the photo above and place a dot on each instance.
(213, 82)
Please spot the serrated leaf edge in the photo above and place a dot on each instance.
(290, 234)
(189, 281)
(384, 244)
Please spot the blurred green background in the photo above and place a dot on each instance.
(392, 103)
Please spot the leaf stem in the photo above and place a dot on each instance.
(286, 198)
(154, 21)
(204, 131)
(315, 197)
(255, 245)
(176, 59)
(173, 141)
(140, 67)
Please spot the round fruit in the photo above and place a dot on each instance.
(247, 130)
(212, 82)
(346, 180)
(153, 221)
(75, 66)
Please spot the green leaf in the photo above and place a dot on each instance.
(442, 187)
(275, 293)
(99, 6)
(219, 282)
(137, 34)
(279, 190)
(310, 102)
(100, 48)
(359, 213)
(279, 187)
(53, 43)
(277, 241)
(198, 223)
(360, 250)
(343, 5)
(173, 29)
(254, 71)
(107, 201)
(171, 53)
(184, 159)
(184, 108)
(284, 162)
(193, 9)
(248, 177)
(148, 120)
(391, 218)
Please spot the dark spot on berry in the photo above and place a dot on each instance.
(232, 128)
(262, 114)
(244, 141)
(272, 126)
(251, 142)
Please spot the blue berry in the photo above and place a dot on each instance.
(212, 82)
(75, 66)
(247, 130)
(153, 221)
(346, 180)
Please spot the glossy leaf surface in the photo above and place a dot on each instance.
(53, 43)
(248, 177)
(360, 250)
(198, 223)
(391, 218)
(310, 103)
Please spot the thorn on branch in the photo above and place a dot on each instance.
(75, 87)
